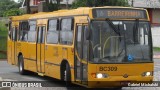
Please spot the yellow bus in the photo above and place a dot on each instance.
(92, 47)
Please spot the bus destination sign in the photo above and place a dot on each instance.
(119, 13)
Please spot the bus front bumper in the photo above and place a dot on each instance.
(119, 81)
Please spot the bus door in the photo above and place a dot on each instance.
(81, 49)
(13, 45)
(41, 48)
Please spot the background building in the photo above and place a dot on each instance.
(35, 3)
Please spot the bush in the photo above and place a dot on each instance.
(13, 12)
(3, 26)
(3, 40)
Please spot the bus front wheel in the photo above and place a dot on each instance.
(21, 65)
(67, 75)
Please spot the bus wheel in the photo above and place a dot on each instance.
(21, 65)
(67, 75)
(118, 88)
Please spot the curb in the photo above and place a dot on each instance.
(156, 56)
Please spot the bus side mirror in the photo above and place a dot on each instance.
(87, 33)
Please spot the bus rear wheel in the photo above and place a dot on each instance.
(21, 65)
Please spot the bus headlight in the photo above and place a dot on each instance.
(146, 74)
(101, 75)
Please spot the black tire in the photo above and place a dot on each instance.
(21, 65)
(118, 88)
(67, 75)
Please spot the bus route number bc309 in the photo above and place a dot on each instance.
(110, 68)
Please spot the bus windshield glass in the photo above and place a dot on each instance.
(120, 42)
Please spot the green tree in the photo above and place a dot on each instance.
(91, 3)
(52, 6)
(28, 6)
(12, 12)
(2, 26)
(7, 5)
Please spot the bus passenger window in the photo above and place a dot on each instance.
(66, 33)
(32, 31)
(52, 34)
(10, 30)
(14, 34)
(23, 33)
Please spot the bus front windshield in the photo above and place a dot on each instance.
(120, 42)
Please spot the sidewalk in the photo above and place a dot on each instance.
(156, 55)
(0, 79)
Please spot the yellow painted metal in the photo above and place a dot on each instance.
(46, 58)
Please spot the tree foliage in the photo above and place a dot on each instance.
(28, 6)
(12, 12)
(6, 5)
(2, 26)
(53, 5)
(91, 3)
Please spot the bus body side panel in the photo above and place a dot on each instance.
(52, 67)
(71, 61)
(14, 42)
(66, 53)
(9, 51)
(24, 51)
(31, 62)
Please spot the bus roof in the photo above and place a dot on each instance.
(78, 11)
(72, 12)
(22, 17)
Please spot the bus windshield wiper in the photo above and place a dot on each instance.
(113, 26)
(135, 30)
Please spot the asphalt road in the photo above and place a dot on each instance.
(10, 73)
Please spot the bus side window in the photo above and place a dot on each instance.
(10, 30)
(23, 32)
(52, 34)
(66, 33)
(14, 34)
(32, 31)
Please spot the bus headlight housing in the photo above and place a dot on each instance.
(101, 75)
(146, 74)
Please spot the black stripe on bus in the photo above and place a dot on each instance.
(30, 59)
(52, 63)
(55, 64)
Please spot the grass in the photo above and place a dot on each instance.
(3, 44)
(156, 49)
(3, 33)
(3, 39)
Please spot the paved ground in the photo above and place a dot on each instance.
(156, 54)
(8, 73)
